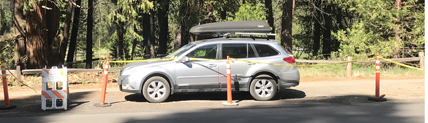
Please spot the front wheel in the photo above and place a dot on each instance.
(156, 89)
(263, 88)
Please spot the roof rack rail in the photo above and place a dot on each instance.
(252, 35)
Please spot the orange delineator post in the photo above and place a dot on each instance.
(103, 92)
(5, 90)
(229, 83)
(377, 97)
(104, 88)
(377, 76)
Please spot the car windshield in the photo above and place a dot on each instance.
(180, 51)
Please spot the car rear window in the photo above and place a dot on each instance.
(237, 51)
(265, 50)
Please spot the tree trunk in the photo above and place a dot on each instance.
(89, 34)
(286, 23)
(397, 31)
(74, 30)
(119, 38)
(3, 28)
(37, 46)
(339, 17)
(177, 42)
(52, 26)
(316, 38)
(152, 35)
(183, 13)
(326, 41)
(163, 25)
(223, 14)
(317, 29)
(18, 29)
(268, 5)
(146, 33)
(66, 31)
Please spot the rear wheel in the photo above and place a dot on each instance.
(263, 87)
(156, 89)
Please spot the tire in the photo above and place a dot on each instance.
(263, 87)
(156, 89)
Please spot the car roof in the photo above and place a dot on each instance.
(235, 40)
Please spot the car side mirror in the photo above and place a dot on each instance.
(184, 59)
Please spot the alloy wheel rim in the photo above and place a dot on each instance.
(156, 90)
(263, 88)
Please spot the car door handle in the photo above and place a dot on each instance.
(212, 65)
(251, 63)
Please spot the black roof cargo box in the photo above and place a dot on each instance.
(231, 27)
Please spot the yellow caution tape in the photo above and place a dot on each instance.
(130, 61)
(232, 60)
(401, 64)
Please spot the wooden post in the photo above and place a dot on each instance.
(422, 61)
(18, 75)
(349, 67)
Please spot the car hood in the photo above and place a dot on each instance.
(143, 64)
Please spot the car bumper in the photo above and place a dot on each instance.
(289, 79)
(126, 85)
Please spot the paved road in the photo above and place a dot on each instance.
(323, 102)
(385, 113)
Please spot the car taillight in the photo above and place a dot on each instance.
(289, 59)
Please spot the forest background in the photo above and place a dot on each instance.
(39, 33)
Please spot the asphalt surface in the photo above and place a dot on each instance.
(319, 102)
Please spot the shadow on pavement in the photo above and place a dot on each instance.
(240, 96)
(31, 106)
(335, 109)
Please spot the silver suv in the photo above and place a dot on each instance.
(156, 80)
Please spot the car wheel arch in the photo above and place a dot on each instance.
(271, 74)
(161, 74)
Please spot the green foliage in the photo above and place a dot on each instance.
(250, 12)
(375, 32)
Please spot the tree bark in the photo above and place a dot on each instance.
(286, 25)
(397, 31)
(177, 42)
(74, 30)
(223, 14)
(37, 46)
(18, 29)
(66, 31)
(326, 41)
(163, 25)
(146, 33)
(119, 38)
(152, 35)
(316, 38)
(89, 34)
(269, 16)
(52, 26)
(183, 22)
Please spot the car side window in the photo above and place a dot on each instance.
(208, 52)
(237, 51)
(265, 50)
